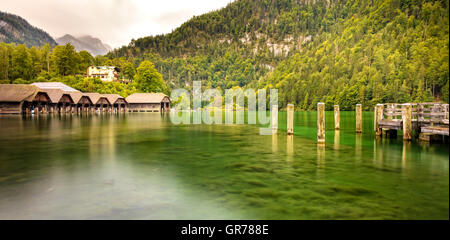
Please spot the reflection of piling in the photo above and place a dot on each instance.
(274, 119)
(290, 146)
(407, 124)
(321, 122)
(336, 139)
(358, 146)
(290, 119)
(358, 118)
(336, 117)
(320, 159)
(274, 143)
(405, 150)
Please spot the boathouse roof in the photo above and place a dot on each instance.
(54, 85)
(55, 95)
(76, 96)
(95, 97)
(17, 92)
(112, 98)
(147, 98)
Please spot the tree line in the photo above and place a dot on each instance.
(22, 65)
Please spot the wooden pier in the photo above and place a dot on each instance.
(428, 121)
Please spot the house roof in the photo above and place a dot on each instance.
(146, 98)
(95, 97)
(112, 98)
(54, 85)
(55, 95)
(106, 67)
(17, 92)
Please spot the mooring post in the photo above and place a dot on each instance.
(407, 124)
(378, 117)
(321, 123)
(358, 118)
(336, 117)
(290, 119)
(274, 119)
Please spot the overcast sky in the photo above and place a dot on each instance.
(115, 22)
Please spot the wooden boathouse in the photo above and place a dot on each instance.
(60, 101)
(22, 98)
(148, 102)
(100, 102)
(118, 103)
(81, 102)
(56, 97)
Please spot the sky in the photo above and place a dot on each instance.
(115, 22)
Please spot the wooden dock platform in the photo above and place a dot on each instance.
(427, 120)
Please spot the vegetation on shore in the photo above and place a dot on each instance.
(22, 65)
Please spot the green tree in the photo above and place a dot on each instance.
(65, 60)
(148, 79)
(86, 60)
(21, 63)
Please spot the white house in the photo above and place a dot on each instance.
(105, 73)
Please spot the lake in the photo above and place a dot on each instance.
(141, 166)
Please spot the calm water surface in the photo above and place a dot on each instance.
(140, 166)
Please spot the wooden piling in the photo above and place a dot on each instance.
(290, 119)
(378, 117)
(321, 123)
(358, 118)
(407, 124)
(336, 117)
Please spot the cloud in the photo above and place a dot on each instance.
(115, 22)
(176, 18)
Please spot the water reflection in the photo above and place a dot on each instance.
(336, 139)
(320, 159)
(274, 143)
(406, 149)
(290, 147)
(141, 166)
(358, 147)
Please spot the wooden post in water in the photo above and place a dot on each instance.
(290, 119)
(378, 117)
(336, 118)
(407, 124)
(321, 123)
(358, 118)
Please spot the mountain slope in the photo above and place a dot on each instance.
(14, 29)
(93, 45)
(240, 42)
(338, 52)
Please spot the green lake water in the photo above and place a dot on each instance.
(141, 166)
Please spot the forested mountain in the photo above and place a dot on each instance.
(336, 51)
(14, 29)
(88, 43)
